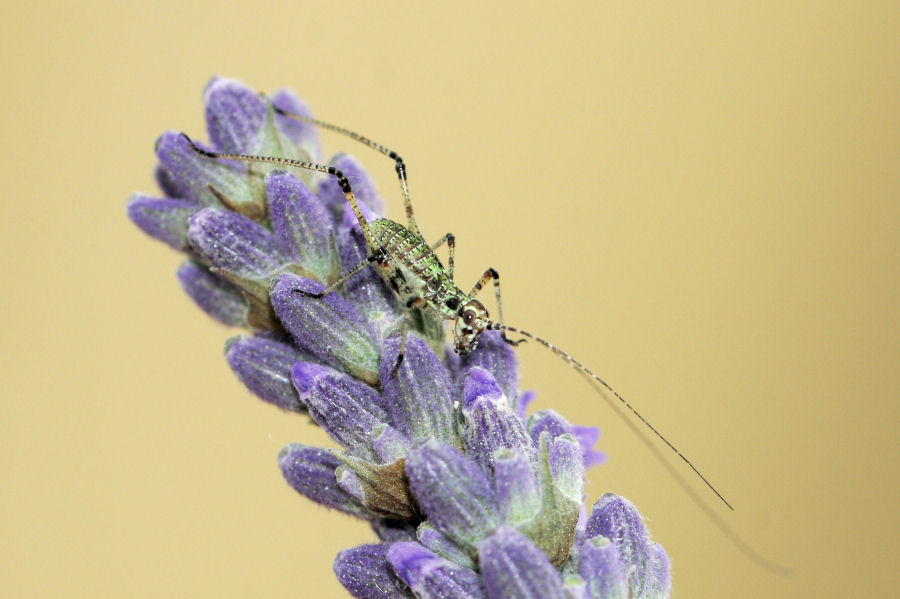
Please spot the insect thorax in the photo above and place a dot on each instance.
(413, 271)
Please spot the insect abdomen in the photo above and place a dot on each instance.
(413, 271)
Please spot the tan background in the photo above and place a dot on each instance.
(700, 203)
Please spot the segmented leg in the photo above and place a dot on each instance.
(329, 170)
(399, 165)
(404, 334)
(450, 240)
(487, 276)
(341, 280)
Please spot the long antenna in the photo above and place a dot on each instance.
(585, 370)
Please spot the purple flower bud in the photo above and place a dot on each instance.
(657, 581)
(602, 569)
(235, 116)
(480, 383)
(213, 294)
(417, 395)
(348, 409)
(547, 421)
(498, 358)
(264, 366)
(617, 519)
(567, 467)
(518, 494)
(490, 423)
(433, 539)
(235, 243)
(163, 219)
(300, 224)
(366, 573)
(429, 575)
(553, 529)
(454, 493)
(329, 328)
(362, 186)
(166, 183)
(310, 470)
(513, 566)
(202, 179)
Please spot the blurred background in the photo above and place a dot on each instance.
(700, 202)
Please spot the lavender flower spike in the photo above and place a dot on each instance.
(467, 497)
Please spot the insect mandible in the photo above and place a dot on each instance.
(407, 263)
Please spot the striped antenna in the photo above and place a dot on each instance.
(587, 372)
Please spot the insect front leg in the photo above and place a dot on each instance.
(450, 240)
(341, 280)
(491, 274)
(404, 333)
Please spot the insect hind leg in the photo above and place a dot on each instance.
(450, 240)
(399, 165)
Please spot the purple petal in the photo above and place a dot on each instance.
(429, 575)
(490, 424)
(162, 219)
(300, 223)
(417, 395)
(213, 294)
(235, 243)
(498, 358)
(362, 186)
(453, 492)
(518, 495)
(235, 116)
(310, 471)
(366, 573)
(513, 566)
(200, 178)
(587, 437)
(523, 402)
(264, 366)
(554, 424)
(345, 407)
(602, 569)
(329, 328)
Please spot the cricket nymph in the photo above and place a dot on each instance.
(413, 271)
(410, 267)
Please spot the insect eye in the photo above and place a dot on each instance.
(468, 316)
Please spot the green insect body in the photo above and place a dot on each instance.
(407, 263)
